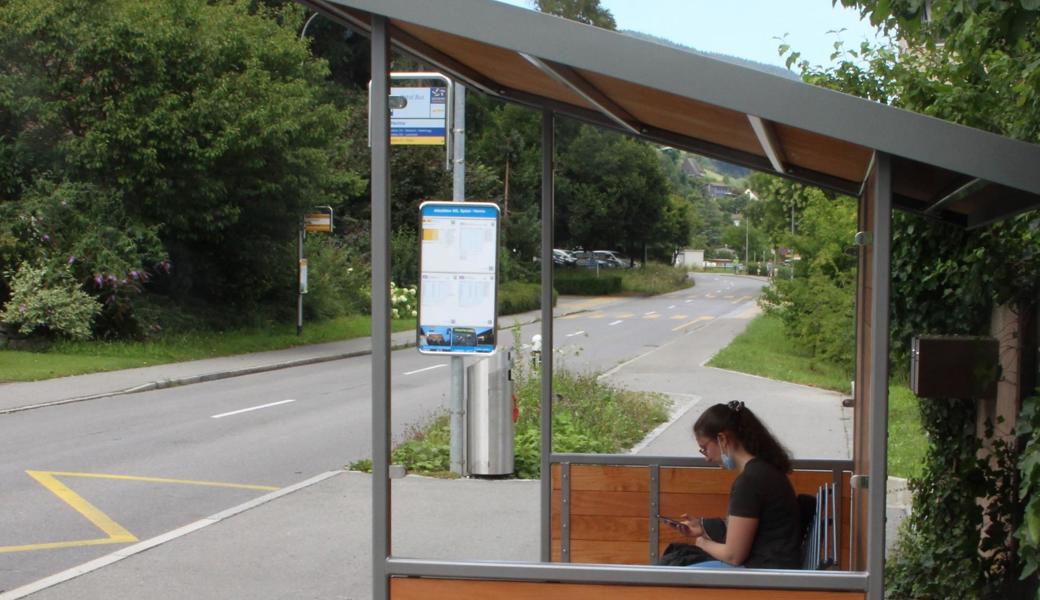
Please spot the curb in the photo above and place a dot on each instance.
(218, 375)
(127, 552)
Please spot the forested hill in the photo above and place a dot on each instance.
(771, 69)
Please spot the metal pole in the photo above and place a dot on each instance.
(299, 280)
(380, 118)
(882, 254)
(306, 25)
(457, 453)
(747, 240)
(548, 152)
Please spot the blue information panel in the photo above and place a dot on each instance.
(458, 278)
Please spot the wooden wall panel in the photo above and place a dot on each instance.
(413, 588)
(610, 505)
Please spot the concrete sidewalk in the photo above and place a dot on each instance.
(24, 395)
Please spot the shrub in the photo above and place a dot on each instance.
(49, 300)
(517, 297)
(585, 283)
(337, 281)
(654, 278)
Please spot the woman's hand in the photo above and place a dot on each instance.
(690, 527)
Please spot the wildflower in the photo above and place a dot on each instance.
(71, 260)
(414, 313)
(134, 274)
(46, 238)
(98, 280)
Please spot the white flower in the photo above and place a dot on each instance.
(413, 313)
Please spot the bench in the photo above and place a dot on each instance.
(610, 514)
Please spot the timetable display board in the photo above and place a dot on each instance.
(458, 277)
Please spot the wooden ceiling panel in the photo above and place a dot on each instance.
(681, 115)
(504, 67)
(823, 154)
(927, 183)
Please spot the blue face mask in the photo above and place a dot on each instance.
(727, 459)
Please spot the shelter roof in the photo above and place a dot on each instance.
(710, 106)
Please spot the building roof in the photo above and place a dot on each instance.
(709, 106)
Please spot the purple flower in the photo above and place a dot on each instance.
(98, 280)
(46, 238)
(71, 260)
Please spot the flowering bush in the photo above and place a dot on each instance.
(403, 304)
(50, 300)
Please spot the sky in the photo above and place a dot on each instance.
(743, 28)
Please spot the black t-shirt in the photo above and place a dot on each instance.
(765, 493)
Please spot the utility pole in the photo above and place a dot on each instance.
(747, 240)
(457, 453)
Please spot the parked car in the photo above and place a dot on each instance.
(596, 259)
(610, 258)
(564, 258)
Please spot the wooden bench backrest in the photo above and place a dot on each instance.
(610, 508)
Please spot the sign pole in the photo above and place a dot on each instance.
(457, 453)
(299, 280)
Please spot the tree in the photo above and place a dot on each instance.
(583, 11)
(204, 122)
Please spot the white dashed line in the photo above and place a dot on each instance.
(616, 322)
(575, 333)
(244, 410)
(426, 369)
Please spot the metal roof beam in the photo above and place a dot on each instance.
(973, 186)
(570, 79)
(766, 135)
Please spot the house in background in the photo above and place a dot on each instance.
(718, 190)
(690, 168)
(689, 258)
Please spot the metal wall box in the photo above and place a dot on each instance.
(954, 366)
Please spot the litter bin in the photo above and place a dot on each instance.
(489, 393)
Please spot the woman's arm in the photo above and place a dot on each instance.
(740, 533)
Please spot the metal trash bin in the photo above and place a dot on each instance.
(489, 416)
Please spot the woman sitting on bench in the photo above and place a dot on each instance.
(763, 528)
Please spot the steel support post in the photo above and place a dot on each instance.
(882, 256)
(457, 458)
(380, 117)
(548, 159)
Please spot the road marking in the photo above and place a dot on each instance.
(426, 369)
(651, 316)
(597, 315)
(251, 408)
(697, 320)
(653, 312)
(575, 333)
(687, 301)
(616, 322)
(728, 297)
(118, 555)
(116, 533)
(671, 307)
(741, 299)
(625, 315)
(709, 295)
(677, 317)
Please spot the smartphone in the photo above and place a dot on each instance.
(675, 523)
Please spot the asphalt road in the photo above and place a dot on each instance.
(78, 481)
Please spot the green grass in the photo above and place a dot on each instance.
(77, 358)
(764, 349)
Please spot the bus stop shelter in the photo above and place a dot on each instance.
(887, 158)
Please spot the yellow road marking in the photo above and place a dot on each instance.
(236, 486)
(741, 299)
(116, 533)
(653, 316)
(697, 320)
(625, 315)
(596, 315)
(678, 317)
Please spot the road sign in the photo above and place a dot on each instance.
(303, 275)
(320, 222)
(458, 289)
(418, 115)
